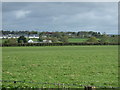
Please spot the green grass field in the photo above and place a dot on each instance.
(87, 65)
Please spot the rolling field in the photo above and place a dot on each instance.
(87, 65)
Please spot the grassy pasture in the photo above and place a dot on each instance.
(87, 65)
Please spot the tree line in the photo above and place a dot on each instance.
(57, 44)
(61, 37)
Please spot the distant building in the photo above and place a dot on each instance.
(47, 41)
(34, 36)
(30, 41)
(44, 36)
(17, 36)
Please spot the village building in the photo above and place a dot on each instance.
(47, 41)
(30, 41)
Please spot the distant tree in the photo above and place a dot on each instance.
(12, 41)
(33, 32)
(22, 39)
(113, 39)
(92, 39)
(64, 39)
(57, 34)
(104, 38)
(99, 33)
(28, 33)
(41, 36)
(94, 34)
(40, 39)
(5, 41)
(54, 39)
(86, 34)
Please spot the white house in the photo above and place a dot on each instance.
(50, 41)
(44, 40)
(34, 36)
(30, 41)
(47, 41)
(44, 36)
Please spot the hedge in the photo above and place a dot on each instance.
(56, 44)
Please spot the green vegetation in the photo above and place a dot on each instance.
(92, 39)
(87, 65)
(0, 41)
(77, 39)
(22, 39)
(15, 37)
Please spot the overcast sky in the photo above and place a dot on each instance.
(61, 16)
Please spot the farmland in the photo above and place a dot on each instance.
(69, 40)
(87, 65)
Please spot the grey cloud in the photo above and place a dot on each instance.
(11, 6)
(73, 16)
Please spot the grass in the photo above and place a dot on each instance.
(79, 39)
(87, 65)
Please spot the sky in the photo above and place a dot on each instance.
(61, 16)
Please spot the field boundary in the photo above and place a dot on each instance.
(59, 84)
(56, 44)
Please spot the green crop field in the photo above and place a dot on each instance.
(86, 65)
(79, 39)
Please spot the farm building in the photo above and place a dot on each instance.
(47, 41)
(34, 36)
(30, 41)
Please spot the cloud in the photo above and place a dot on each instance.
(21, 13)
(61, 16)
